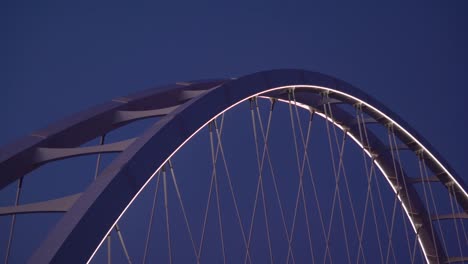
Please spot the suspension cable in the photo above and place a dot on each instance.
(299, 191)
(393, 148)
(337, 178)
(426, 200)
(239, 219)
(270, 163)
(455, 222)
(379, 193)
(13, 220)
(215, 177)
(150, 224)
(214, 158)
(459, 210)
(433, 200)
(96, 173)
(219, 218)
(252, 218)
(183, 208)
(168, 233)
(119, 234)
(260, 169)
(360, 249)
(369, 194)
(305, 144)
(109, 256)
(98, 160)
(392, 224)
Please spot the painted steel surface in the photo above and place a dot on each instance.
(81, 230)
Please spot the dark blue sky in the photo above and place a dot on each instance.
(61, 57)
(58, 57)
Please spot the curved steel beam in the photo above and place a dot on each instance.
(45, 155)
(83, 227)
(58, 205)
(18, 158)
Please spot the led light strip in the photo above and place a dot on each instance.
(325, 89)
(306, 107)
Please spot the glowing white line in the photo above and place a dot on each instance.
(375, 162)
(166, 160)
(322, 115)
(407, 133)
(389, 119)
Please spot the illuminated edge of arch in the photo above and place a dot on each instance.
(323, 116)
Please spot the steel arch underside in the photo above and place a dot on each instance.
(186, 108)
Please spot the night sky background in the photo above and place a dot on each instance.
(60, 57)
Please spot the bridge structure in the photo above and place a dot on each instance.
(403, 203)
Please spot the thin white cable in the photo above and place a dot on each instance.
(265, 213)
(350, 201)
(275, 185)
(392, 143)
(179, 196)
(433, 202)
(305, 143)
(239, 219)
(150, 224)
(337, 187)
(168, 232)
(369, 193)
